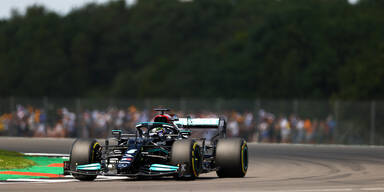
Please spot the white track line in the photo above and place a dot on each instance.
(41, 180)
(373, 189)
(327, 190)
(309, 190)
(67, 178)
(316, 145)
(47, 154)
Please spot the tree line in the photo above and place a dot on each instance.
(318, 49)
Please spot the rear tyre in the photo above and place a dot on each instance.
(187, 152)
(232, 157)
(84, 151)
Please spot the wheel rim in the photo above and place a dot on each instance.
(244, 157)
(196, 160)
(95, 153)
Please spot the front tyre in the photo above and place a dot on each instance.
(231, 157)
(187, 152)
(84, 151)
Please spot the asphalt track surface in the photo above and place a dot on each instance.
(273, 168)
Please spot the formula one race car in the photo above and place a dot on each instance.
(163, 147)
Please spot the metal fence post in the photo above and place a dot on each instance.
(256, 106)
(295, 106)
(183, 105)
(80, 126)
(46, 109)
(218, 104)
(336, 111)
(147, 103)
(111, 103)
(11, 104)
(12, 129)
(373, 116)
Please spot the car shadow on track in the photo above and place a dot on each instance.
(166, 179)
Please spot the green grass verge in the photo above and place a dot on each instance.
(14, 160)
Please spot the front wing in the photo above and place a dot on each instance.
(155, 170)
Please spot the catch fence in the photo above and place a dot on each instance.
(290, 121)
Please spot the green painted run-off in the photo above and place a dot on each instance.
(40, 167)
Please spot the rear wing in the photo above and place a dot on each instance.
(203, 123)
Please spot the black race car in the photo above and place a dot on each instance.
(163, 147)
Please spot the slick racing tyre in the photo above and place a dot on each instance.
(84, 151)
(231, 157)
(187, 153)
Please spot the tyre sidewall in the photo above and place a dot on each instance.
(185, 152)
(82, 153)
(232, 157)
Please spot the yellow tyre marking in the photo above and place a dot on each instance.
(193, 159)
(93, 150)
(242, 157)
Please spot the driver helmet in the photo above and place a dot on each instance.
(158, 131)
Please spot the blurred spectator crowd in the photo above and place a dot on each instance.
(266, 127)
(262, 126)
